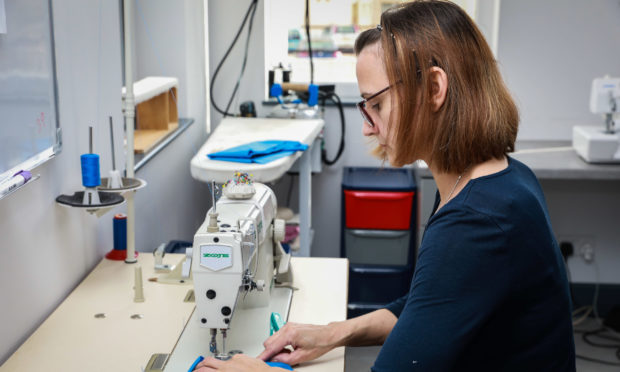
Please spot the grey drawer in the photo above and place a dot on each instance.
(377, 247)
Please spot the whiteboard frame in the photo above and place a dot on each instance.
(50, 152)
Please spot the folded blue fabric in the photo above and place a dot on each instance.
(261, 152)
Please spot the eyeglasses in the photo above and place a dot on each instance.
(361, 106)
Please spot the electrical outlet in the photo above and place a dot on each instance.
(584, 245)
(587, 252)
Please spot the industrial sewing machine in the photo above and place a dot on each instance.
(595, 144)
(236, 257)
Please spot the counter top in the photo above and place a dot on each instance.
(553, 160)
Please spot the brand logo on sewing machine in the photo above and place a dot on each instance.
(215, 257)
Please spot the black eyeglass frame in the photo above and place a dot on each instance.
(361, 106)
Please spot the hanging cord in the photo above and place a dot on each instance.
(336, 100)
(307, 24)
(245, 55)
(251, 10)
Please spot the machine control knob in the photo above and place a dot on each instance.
(260, 285)
(226, 311)
(210, 294)
(279, 230)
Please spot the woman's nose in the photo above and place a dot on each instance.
(367, 129)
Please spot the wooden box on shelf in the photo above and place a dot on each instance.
(156, 111)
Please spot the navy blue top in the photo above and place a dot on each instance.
(490, 290)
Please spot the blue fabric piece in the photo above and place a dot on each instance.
(490, 290)
(280, 365)
(261, 152)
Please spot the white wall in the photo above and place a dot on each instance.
(48, 249)
(168, 42)
(549, 53)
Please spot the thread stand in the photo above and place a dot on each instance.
(116, 183)
(91, 199)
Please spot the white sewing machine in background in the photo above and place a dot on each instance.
(593, 143)
(235, 254)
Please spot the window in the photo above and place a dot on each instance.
(334, 26)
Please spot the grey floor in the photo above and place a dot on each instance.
(358, 359)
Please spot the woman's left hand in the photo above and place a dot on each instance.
(238, 363)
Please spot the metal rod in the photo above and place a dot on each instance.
(112, 144)
(213, 195)
(130, 114)
(90, 139)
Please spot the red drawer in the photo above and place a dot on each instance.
(379, 210)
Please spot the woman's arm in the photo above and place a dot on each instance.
(366, 330)
(311, 341)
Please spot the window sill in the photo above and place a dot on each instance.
(142, 159)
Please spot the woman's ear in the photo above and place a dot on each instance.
(439, 86)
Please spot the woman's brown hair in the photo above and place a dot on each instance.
(478, 119)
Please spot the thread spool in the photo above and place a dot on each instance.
(90, 170)
(119, 227)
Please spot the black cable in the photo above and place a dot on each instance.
(597, 333)
(597, 360)
(217, 69)
(245, 55)
(334, 98)
(307, 21)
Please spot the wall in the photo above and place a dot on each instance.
(548, 58)
(48, 249)
(549, 52)
(168, 42)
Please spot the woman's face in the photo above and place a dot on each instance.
(372, 78)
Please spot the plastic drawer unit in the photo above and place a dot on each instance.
(378, 234)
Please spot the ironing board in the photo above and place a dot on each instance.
(233, 132)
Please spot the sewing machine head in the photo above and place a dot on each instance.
(233, 254)
(596, 144)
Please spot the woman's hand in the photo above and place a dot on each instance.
(238, 363)
(307, 341)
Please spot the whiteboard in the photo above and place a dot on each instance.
(29, 127)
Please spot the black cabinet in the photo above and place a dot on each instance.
(378, 235)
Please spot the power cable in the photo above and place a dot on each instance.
(307, 25)
(245, 55)
(250, 10)
(336, 100)
(587, 335)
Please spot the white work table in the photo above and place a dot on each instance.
(72, 339)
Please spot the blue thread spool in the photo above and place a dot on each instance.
(119, 226)
(90, 170)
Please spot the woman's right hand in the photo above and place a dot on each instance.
(308, 342)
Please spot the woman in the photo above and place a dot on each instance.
(490, 291)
